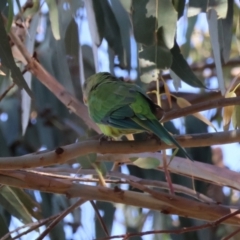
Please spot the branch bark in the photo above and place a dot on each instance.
(166, 203)
(182, 112)
(63, 154)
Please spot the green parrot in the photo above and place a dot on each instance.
(121, 108)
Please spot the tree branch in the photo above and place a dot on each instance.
(222, 102)
(63, 154)
(166, 203)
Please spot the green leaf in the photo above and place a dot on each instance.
(7, 59)
(13, 204)
(127, 4)
(87, 160)
(108, 27)
(143, 27)
(160, 55)
(179, 6)
(166, 19)
(196, 6)
(236, 117)
(25, 99)
(125, 30)
(31, 205)
(221, 7)
(97, 25)
(54, 19)
(146, 163)
(10, 15)
(3, 223)
(213, 30)
(225, 33)
(181, 68)
(3, 4)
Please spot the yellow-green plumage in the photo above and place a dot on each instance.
(121, 108)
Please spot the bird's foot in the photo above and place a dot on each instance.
(152, 136)
(104, 138)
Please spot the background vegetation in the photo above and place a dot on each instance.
(52, 164)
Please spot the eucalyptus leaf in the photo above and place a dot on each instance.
(7, 59)
(225, 27)
(108, 27)
(87, 160)
(4, 224)
(147, 163)
(160, 55)
(125, 30)
(26, 100)
(181, 68)
(143, 26)
(213, 30)
(10, 15)
(166, 17)
(12, 203)
(54, 18)
(179, 6)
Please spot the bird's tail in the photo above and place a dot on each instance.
(159, 130)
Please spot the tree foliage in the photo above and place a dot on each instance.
(50, 148)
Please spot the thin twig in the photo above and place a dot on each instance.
(167, 174)
(202, 106)
(32, 227)
(177, 231)
(103, 225)
(60, 217)
(150, 183)
(232, 234)
(6, 91)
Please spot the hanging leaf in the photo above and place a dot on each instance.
(236, 117)
(7, 59)
(150, 76)
(228, 111)
(166, 19)
(26, 100)
(10, 15)
(179, 6)
(108, 24)
(176, 80)
(11, 202)
(86, 161)
(147, 163)
(143, 26)
(127, 4)
(196, 6)
(161, 56)
(125, 26)
(54, 19)
(213, 31)
(225, 33)
(181, 102)
(181, 68)
(96, 26)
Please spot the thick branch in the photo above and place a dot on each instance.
(166, 203)
(222, 102)
(63, 154)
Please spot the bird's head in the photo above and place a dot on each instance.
(92, 82)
